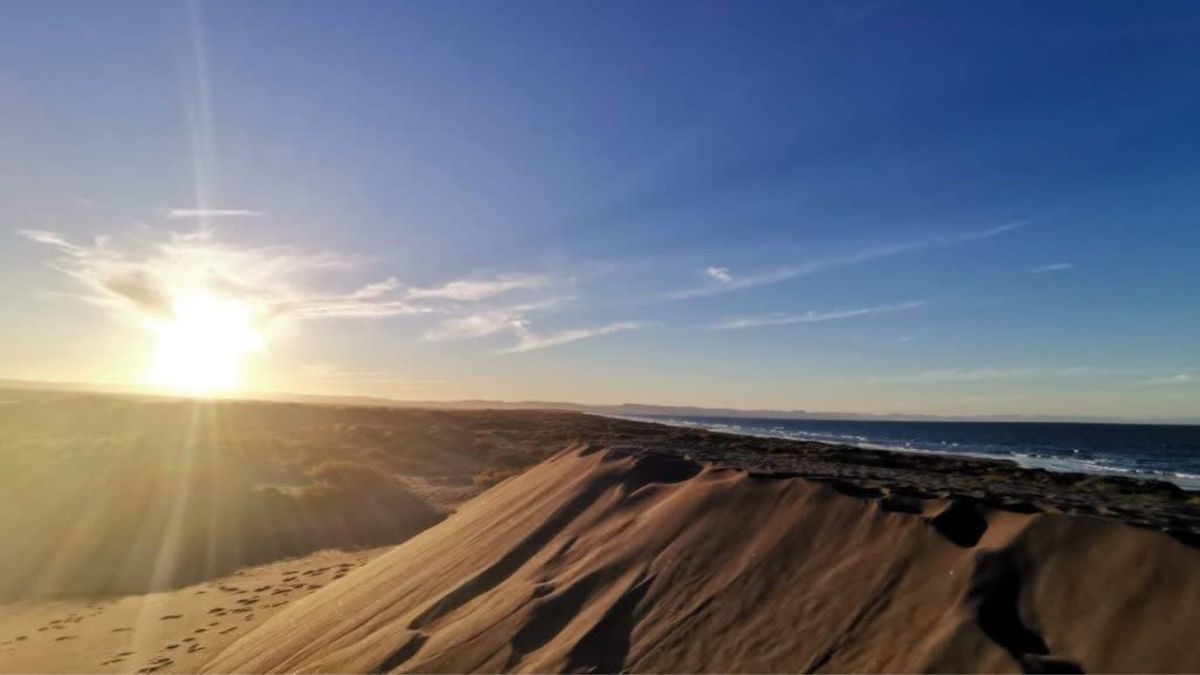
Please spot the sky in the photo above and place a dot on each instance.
(871, 206)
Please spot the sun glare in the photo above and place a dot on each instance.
(200, 351)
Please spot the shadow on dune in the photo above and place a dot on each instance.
(611, 561)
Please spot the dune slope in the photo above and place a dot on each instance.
(601, 560)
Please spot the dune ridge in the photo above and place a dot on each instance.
(608, 560)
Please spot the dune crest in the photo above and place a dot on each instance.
(607, 561)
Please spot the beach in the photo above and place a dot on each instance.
(483, 541)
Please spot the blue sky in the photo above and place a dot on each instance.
(938, 207)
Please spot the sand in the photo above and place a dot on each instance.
(173, 631)
(599, 560)
(632, 546)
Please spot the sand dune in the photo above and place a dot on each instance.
(606, 561)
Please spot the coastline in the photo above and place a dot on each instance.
(992, 482)
(1026, 458)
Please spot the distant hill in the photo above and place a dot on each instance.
(622, 409)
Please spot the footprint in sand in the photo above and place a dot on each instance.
(228, 630)
(156, 665)
(121, 630)
(173, 645)
(200, 630)
(65, 637)
(20, 638)
(166, 617)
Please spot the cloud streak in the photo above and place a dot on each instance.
(951, 375)
(817, 317)
(476, 290)
(1052, 268)
(1176, 380)
(477, 325)
(809, 268)
(528, 341)
(213, 213)
(721, 274)
(515, 321)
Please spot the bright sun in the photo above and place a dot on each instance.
(200, 350)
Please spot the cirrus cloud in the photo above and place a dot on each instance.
(811, 267)
(816, 317)
(480, 289)
(528, 342)
(213, 213)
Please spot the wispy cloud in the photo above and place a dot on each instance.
(811, 267)
(1052, 267)
(516, 322)
(528, 341)
(958, 375)
(721, 274)
(946, 375)
(477, 325)
(1176, 380)
(475, 290)
(143, 278)
(817, 317)
(213, 213)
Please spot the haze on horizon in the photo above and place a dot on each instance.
(876, 207)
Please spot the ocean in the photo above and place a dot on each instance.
(1156, 451)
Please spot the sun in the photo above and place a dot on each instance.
(201, 348)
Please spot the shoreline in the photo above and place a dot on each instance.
(1064, 465)
(992, 482)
